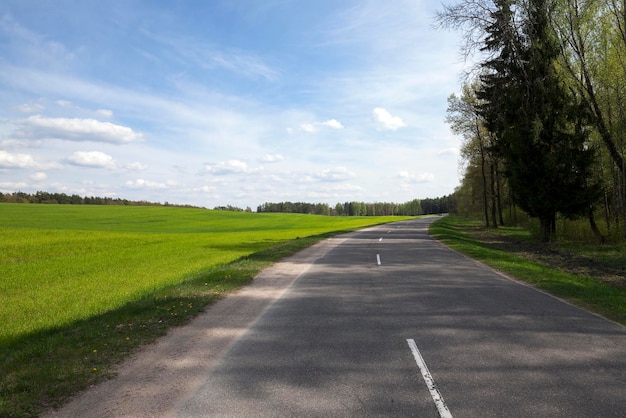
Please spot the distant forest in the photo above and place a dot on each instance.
(64, 199)
(412, 208)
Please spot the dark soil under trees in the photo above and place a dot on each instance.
(612, 274)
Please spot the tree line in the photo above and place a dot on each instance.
(542, 115)
(412, 208)
(74, 199)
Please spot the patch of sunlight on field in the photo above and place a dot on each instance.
(62, 263)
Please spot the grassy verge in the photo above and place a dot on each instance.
(42, 370)
(583, 290)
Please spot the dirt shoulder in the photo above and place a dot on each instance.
(156, 379)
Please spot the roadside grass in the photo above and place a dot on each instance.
(84, 287)
(582, 290)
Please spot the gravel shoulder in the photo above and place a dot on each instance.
(156, 379)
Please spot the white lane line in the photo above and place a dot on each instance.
(378, 259)
(380, 239)
(444, 412)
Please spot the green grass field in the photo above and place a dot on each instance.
(62, 263)
(81, 287)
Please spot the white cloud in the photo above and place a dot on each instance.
(227, 167)
(30, 108)
(335, 174)
(8, 160)
(147, 184)
(416, 178)
(333, 192)
(39, 176)
(76, 129)
(14, 143)
(345, 188)
(449, 151)
(10, 187)
(333, 123)
(206, 189)
(386, 120)
(271, 158)
(106, 113)
(95, 159)
(308, 128)
(336, 190)
(136, 166)
(66, 104)
(314, 127)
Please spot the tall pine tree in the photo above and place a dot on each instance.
(539, 124)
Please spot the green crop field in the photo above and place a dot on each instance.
(82, 287)
(63, 263)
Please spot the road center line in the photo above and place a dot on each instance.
(444, 412)
(378, 259)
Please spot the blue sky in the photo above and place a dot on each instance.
(234, 102)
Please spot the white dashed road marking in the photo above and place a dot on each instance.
(444, 412)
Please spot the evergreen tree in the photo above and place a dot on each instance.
(538, 123)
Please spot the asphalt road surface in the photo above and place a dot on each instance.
(388, 322)
(339, 342)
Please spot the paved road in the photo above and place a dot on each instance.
(337, 342)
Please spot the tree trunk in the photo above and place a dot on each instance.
(499, 192)
(604, 132)
(548, 227)
(594, 226)
(482, 171)
(588, 86)
(607, 212)
(494, 221)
